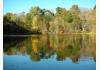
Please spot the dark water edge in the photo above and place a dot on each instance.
(50, 52)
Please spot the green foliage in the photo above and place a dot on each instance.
(36, 11)
(69, 17)
(9, 18)
(75, 9)
(62, 12)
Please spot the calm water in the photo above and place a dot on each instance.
(50, 52)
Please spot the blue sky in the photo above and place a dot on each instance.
(17, 6)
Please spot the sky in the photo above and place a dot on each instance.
(17, 6)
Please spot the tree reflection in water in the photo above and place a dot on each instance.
(39, 47)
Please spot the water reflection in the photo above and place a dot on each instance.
(37, 47)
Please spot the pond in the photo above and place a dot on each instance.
(50, 52)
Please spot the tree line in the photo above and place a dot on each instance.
(37, 20)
